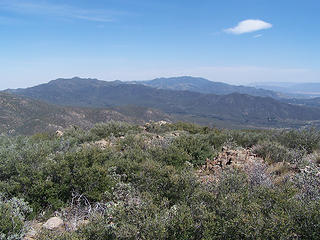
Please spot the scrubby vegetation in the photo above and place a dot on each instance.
(143, 182)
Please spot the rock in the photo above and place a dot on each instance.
(103, 144)
(28, 238)
(159, 137)
(59, 133)
(228, 158)
(84, 222)
(176, 134)
(34, 228)
(31, 235)
(161, 123)
(53, 223)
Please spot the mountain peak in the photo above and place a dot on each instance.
(74, 79)
(182, 79)
(202, 85)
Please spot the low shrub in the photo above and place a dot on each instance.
(219, 138)
(248, 138)
(13, 213)
(307, 139)
(196, 146)
(116, 129)
(191, 128)
(274, 152)
(47, 181)
(147, 185)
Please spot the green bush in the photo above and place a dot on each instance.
(190, 128)
(12, 214)
(116, 129)
(243, 212)
(170, 156)
(154, 127)
(232, 209)
(77, 135)
(47, 181)
(195, 146)
(274, 152)
(148, 185)
(219, 138)
(248, 138)
(307, 139)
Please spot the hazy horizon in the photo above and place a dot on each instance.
(227, 41)
(251, 84)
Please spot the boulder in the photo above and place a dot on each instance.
(103, 144)
(33, 229)
(59, 133)
(53, 223)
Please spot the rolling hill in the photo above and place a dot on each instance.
(232, 109)
(20, 115)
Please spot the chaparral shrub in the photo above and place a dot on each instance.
(156, 182)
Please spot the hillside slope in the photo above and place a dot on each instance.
(235, 108)
(26, 116)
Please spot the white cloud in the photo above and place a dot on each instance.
(249, 25)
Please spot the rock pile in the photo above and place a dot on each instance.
(227, 159)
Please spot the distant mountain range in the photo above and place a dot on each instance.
(203, 85)
(235, 109)
(311, 102)
(301, 90)
(20, 115)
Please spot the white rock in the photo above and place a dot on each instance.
(102, 143)
(59, 133)
(53, 223)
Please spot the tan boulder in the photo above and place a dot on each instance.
(34, 229)
(54, 223)
(103, 144)
(59, 133)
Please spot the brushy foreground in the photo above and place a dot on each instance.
(121, 181)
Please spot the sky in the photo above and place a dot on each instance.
(233, 41)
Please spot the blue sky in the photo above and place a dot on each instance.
(232, 41)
